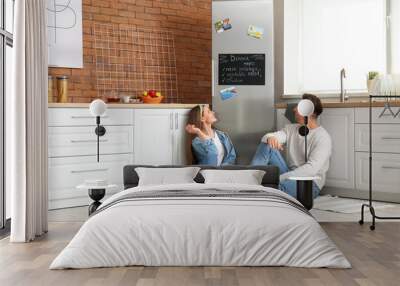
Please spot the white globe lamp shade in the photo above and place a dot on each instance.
(305, 107)
(97, 107)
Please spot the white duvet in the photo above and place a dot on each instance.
(206, 231)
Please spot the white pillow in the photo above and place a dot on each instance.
(166, 176)
(248, 177)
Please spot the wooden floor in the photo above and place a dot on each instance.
(375, 257)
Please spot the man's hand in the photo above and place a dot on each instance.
(274, 143)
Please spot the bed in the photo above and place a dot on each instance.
(198, 224)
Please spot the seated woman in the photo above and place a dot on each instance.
(208, 145)
(319, 151)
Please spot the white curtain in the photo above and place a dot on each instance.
(395, 36)
(26, 118)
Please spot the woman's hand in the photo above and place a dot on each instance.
(192, 129)
(274, 143)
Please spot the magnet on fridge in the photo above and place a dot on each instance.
(222, 25)
(255, 32)
(226, 24)
(228, 93)
(219, 26)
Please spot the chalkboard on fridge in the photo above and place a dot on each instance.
(241, 69)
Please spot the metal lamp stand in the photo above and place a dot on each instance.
(304, 187)
(369, 205)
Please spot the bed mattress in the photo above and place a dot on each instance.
(201, 225)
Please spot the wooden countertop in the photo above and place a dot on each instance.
(351, 103)
(126, 105)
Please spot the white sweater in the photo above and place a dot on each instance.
(319, 152)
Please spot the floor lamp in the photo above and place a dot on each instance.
(305, 184)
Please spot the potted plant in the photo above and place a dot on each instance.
(371, 80)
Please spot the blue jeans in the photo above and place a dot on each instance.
(265, 155)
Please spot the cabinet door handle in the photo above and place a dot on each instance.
(176, 120)
(391, 167)
(86, 116)
(88, 171)
(390, 138)
(88, 141)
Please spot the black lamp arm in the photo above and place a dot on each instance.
(305, 139)
(100, 131)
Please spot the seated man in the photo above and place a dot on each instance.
(319, 151)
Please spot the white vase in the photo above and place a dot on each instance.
(371, 85)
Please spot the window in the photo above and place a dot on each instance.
(6, 43)
(322, 37)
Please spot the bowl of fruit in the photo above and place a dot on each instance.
(152, 96)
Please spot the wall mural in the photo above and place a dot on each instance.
(64, 28)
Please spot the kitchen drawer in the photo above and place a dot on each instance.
(81, 140)
(386, 172)
(362, 115)
(82, 117)
(67, 173)
(385, 138)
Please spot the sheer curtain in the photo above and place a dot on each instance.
(26, 118)
(395, 33)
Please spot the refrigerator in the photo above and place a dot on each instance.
(248, 115)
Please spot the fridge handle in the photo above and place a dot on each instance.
(176, 121)
(212, 78)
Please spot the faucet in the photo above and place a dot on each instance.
(343, 95)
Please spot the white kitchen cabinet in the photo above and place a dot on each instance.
(68, 172)
(150, 136)
(386, 172)
(159, 136)
(72, 152)
(362, 116)
(339, 123)
(180, 137)
(348, 174)
(385, 153)
(385, 138)
(82, 117)
(82, 140)
(153, 136)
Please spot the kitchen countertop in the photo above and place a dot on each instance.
(351, 103)
(327, 103)
(125, 105)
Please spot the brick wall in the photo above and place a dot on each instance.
(188, 20)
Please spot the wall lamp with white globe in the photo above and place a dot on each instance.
(97, 108)
(304, 185)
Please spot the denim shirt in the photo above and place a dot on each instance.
(206, 152)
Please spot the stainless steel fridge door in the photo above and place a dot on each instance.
(248, 116)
